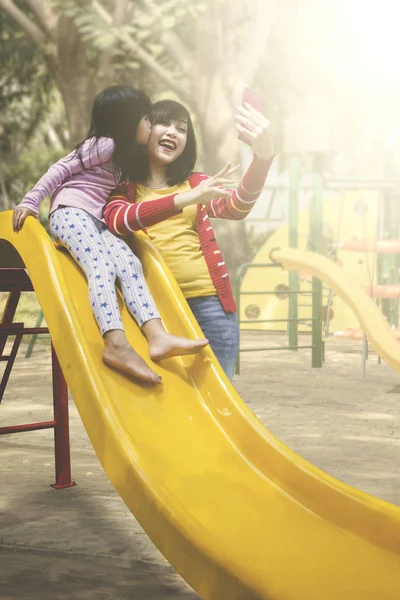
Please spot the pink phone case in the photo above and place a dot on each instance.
(253, 99)
(256, 102)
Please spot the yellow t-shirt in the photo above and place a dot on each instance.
(178, 241)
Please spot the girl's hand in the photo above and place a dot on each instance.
(19, 216)
(256, 129)
(208, 190)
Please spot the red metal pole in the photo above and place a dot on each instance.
(27, 427)
(8, 315)
(11, 358)
(61, 429)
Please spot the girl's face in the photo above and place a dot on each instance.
(167, 141)
(143, 131)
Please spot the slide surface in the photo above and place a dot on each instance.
(347, 216)
(372, 320)
(237, 513)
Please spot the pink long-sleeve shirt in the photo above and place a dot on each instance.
(70, 185)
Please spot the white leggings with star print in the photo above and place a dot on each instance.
(104, 258)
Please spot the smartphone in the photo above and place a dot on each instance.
(253, 99)
(249, 97)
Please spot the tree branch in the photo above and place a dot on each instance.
(105, 60)
(34, 32)
(176, 48)
(142, 55)
(177, 51)
(43, 13)
(104, 14)
(120, 11)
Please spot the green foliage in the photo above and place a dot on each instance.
(25, 100)
(26, 85)
(143, 23)
(32, 163)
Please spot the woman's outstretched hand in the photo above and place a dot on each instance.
(209, 189)
(256, 129)
(20, 214)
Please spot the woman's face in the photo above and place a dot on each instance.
(143, 131)
(167, 141)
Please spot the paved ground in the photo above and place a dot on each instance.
(45, 575)
(82, 543)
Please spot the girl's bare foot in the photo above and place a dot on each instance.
(119, 354)
(165, 346)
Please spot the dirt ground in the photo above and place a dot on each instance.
(83, 543)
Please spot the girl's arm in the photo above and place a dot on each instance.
(92, 155)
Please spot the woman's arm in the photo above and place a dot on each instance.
(257, 130)
(242, 200)
(237, 204)
(123, 216)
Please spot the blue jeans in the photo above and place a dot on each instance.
(220, 328)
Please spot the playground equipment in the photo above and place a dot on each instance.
(371, 318)
(15, 281)
(35, 335)
(354, 220)
(256, 281)
(238, 514)
(358, 334)
(338, 221)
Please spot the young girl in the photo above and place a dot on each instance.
(187, 241)
(81, 182)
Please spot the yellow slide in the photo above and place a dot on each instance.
(372, 320)
(239, 515)
(348, 215)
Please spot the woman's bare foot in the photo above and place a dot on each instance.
(166, 346)
(119, 354)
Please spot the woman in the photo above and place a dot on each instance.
(174, 204)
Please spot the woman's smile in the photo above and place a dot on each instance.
(167, 140)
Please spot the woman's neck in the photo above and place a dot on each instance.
(157, 177)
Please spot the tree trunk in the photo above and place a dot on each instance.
(76, 80)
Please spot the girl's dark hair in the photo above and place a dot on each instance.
(116, 114)
(169, 110)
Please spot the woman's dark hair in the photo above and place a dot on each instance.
(165, 111)
(116, 114)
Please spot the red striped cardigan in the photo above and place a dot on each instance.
(123, 216)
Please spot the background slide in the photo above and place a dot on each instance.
(239, 515)
(372, 320)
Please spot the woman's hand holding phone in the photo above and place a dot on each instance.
(256, 130)
(253, 128)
